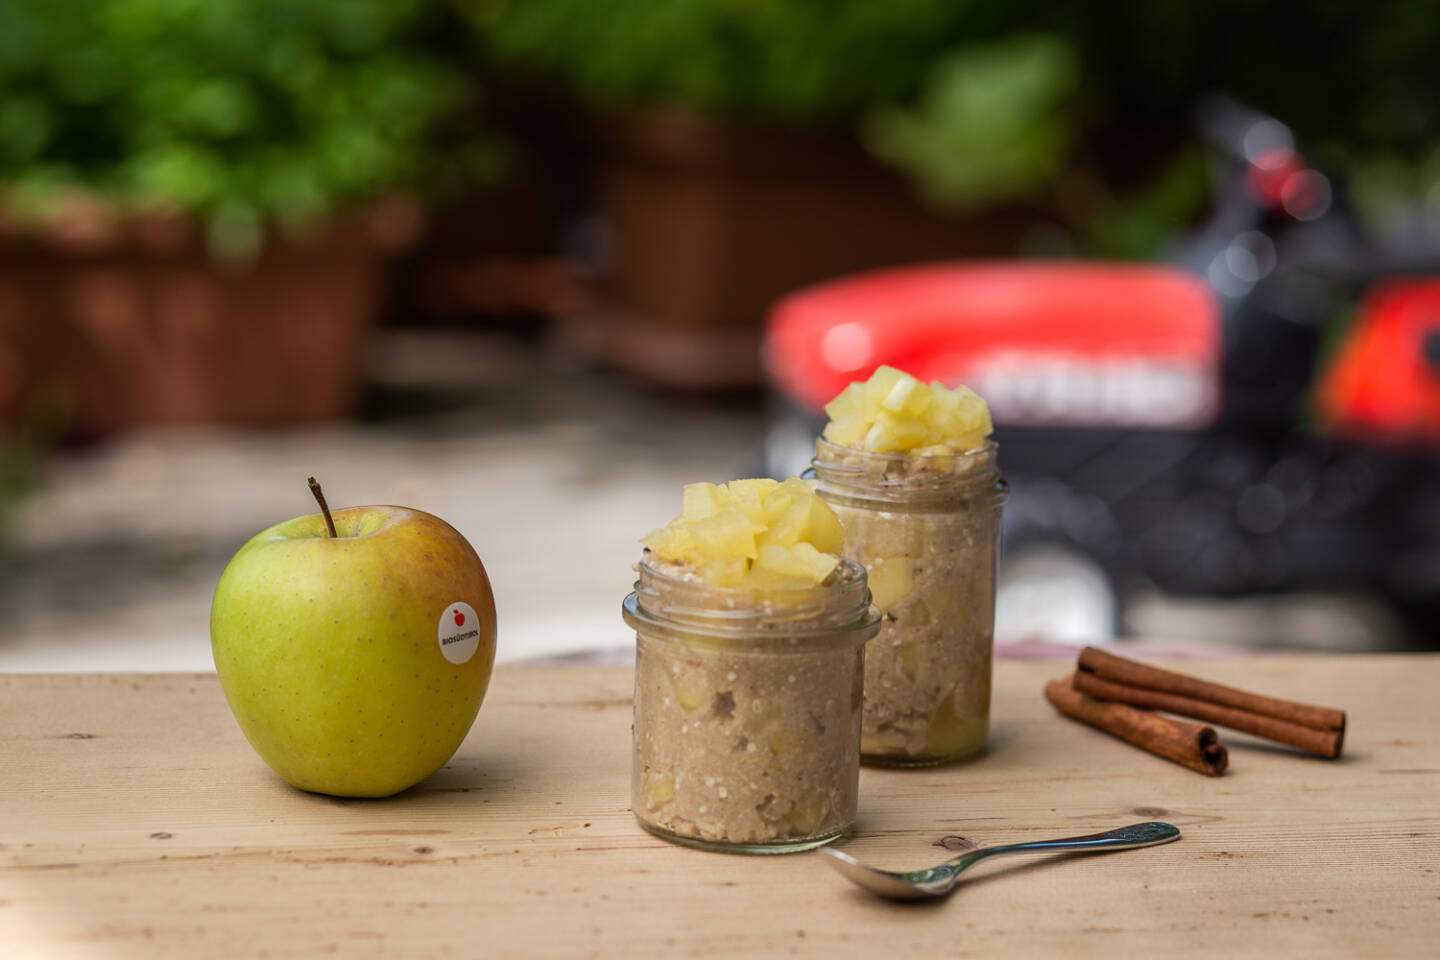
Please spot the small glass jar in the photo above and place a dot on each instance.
(747, 709)
(926, 528)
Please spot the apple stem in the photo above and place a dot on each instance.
(320, 498)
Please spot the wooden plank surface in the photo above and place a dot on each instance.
(135, 821)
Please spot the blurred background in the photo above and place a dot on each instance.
(531, 266)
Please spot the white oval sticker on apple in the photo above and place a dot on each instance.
(459, 632)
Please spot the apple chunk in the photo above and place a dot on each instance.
(893, 412)
(757, 534)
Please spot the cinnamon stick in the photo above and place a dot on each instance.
(1319, 730)
(1189, 744)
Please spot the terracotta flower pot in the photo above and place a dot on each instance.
(712, 222)
(17, 352)
(136, 322)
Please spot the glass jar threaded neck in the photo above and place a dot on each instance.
(672, 603)
(944, 481)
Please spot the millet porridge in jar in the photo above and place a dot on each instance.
(910, 471)
(750, 639)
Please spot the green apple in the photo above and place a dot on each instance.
(355, 662)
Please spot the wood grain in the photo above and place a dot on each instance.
(136, 822)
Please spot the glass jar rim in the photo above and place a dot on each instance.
(866, 476)
(737, 621)
(986, 449)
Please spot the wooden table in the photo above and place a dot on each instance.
(135, 821)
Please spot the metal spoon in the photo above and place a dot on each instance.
(939, 881)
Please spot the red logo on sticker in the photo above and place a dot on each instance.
(459, 619)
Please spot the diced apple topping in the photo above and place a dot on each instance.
(952, 733)
(660, 792)
(882, 742)
(808, 813)
(761, 534)
(784, 742)
(908, 659)
(891, 580)
(691, 690)
(802, 817)
(900, 535)
(893, 412)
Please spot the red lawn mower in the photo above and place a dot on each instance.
(1195, 425)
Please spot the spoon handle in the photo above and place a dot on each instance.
(1136, 835)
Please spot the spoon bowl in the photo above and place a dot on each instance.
(939, 881)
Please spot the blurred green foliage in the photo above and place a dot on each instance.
(241, 111)
(800, 61)
(19, 475)
(981, 101)
(248, 111)
(993, 123)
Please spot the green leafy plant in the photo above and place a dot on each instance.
(994, 123)
(998, 123)
(981, 102)
(18, 476)
(239, 111)
(800, 61)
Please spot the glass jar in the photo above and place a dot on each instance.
(926, 528)
(747, 710)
